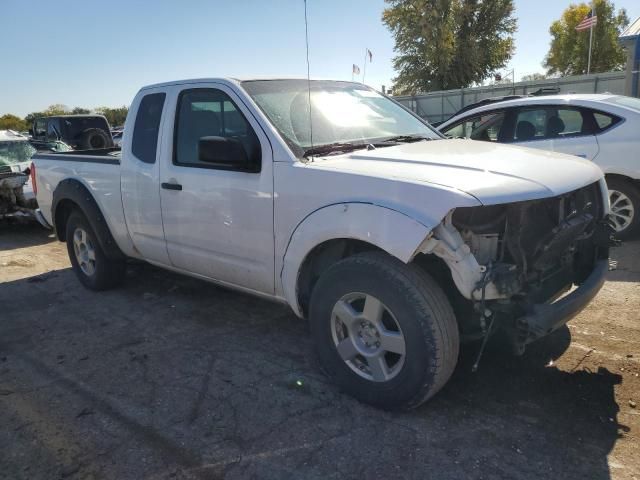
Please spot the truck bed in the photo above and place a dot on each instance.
(97, 170)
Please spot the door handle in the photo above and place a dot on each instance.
(171, 186)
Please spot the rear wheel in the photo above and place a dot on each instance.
(384, 331)
(94, 270)
(624, 198)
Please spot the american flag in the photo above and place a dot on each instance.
(591, 20)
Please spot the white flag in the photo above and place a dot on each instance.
(356, 69)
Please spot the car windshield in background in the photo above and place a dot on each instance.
(342, 114)
(12, 153)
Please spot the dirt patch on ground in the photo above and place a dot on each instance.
(170, 377)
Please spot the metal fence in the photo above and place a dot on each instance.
(439, 106)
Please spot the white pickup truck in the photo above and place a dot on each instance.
(395, 243)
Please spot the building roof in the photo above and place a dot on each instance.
(632, 31)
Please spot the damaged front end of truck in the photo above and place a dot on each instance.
(514, 263)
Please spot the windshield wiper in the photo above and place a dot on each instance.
(404, 139)
(331, 148)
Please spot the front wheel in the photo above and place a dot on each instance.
(624, 198)
(94, 270)
(383, 331)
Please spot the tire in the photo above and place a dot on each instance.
(413, 307)
(95, 138)
(625, 207)
(94, 270)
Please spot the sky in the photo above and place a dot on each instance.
(91, 54)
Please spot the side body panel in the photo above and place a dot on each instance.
(220, 224)
(140, 184)
(313, 205)
(100, 178)
(620, 148)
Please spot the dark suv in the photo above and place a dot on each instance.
(80, 132)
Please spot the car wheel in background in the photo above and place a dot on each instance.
(384, 331)
(624, 198)
(94, 270)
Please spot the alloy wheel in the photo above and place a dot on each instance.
(368, 337)
(622, 210)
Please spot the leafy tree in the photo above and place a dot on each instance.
(51, 110)
(115, 116)
(12, 122)
(80, 111)
(569, 51)
(445, 44)
(56, 109)
(533, 77)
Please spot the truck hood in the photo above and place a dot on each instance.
(490, 172)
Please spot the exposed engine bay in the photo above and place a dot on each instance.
(506, 259)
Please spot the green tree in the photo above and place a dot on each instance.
(445, 44)
(569, 51)
(12, 122)
(115, 116)
(80, 111)
(51, 110)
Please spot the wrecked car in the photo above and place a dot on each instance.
(394, 243)
(16, 196)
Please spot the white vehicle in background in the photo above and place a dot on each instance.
(602, 128)
(329, 197)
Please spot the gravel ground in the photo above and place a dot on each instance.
(170, 377)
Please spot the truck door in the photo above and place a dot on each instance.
(218, 218)
(140, 175)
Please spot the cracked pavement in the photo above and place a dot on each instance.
(171, 377)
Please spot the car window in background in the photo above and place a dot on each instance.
(484, 127)
(604, 121)
(530, 125)
(571, 122)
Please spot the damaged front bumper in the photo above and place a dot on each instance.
(544, 319)
(512, 263)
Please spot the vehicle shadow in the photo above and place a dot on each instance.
(203, 382)
(556, 422)
(23, 234)
(626, 259)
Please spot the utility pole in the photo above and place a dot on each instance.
(593, 12)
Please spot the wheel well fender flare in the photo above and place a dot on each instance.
(72, 194)
(390, 230)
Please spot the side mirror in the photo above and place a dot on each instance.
(223, 152)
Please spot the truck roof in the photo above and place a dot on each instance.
(233, 80)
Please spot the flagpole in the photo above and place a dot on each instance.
(593, 12)
(364, 72)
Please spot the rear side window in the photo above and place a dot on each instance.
(145, 131)
(550, 123)
(604, 121)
